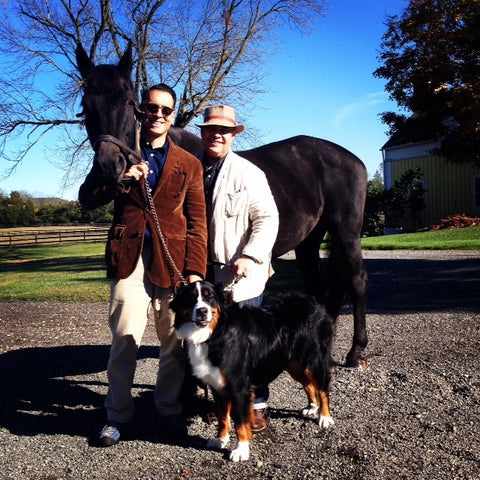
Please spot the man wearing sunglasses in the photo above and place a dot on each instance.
(242, 221)
(141, 275)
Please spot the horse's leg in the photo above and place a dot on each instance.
(307, 254)
(347, 275)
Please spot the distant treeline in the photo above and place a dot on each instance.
(404, 201)
(21, 210)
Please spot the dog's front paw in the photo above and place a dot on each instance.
(241, 452)
(311, 411)
(218, 443)
(325, 422)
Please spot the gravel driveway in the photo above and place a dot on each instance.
(413, 414)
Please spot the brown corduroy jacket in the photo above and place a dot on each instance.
(180, 205)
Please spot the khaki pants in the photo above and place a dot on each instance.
(131, 301)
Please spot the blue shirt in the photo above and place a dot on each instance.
(156, 158)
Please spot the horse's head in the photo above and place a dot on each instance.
(109, 106)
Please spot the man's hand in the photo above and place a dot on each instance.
(193, 278)
(138, 171)
(243, 266)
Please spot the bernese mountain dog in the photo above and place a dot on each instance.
(234, 349)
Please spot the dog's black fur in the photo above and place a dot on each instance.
(239, 348)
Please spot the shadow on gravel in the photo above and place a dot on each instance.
(415, 285)
(405, 285)
(42, 396)
(38, 399)
(39, 395)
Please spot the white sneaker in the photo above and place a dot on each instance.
(109, 435)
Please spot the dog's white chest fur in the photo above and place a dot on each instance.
(203, 368)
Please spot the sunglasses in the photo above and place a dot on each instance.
(153, 108)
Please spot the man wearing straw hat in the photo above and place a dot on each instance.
(242, 221)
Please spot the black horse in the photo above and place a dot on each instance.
(319, 188)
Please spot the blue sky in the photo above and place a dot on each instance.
(319, 85)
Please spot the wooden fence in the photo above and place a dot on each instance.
(37, 237)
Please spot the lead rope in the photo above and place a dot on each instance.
(135, 157)
(172, 267)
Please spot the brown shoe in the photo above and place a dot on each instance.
(260, 419)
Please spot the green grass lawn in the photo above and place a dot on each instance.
(66, 273)
(77, 272)
(458, 239)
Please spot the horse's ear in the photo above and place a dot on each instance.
(84, 64)
(125, 65)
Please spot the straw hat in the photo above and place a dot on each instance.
(221, 115)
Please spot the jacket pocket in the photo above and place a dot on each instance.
(113, 250)
(236, 203)
(176, 185)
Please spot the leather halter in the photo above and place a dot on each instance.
(133, 155)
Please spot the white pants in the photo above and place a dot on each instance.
(131, 301)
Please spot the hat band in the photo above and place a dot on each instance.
(221, 117)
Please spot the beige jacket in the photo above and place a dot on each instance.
(244, 222)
